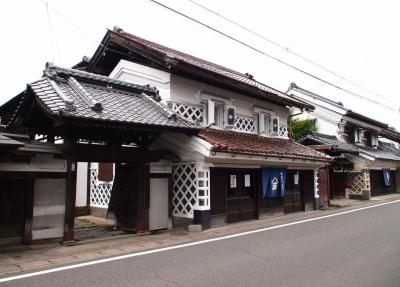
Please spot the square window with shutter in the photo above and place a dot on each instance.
(106, 171)
(215, 113)
(357, 135)
(264, 123)
(219, 115)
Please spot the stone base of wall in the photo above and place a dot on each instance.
(82, 210)
(218, 220)
(272, 212)
(309, 206)
(181, 222)
(98, 212)
(364, 195)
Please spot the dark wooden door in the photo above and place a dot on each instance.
(338, 184)
(123, 202)
(242, 190)
(293, 201)
(12, 207)
(307, 187)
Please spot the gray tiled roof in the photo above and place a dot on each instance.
(77, 94)
(383, 151)
(389, 147)
(9, 142)
(379, 153)
(330, 140)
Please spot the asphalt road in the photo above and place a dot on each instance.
(355, 249)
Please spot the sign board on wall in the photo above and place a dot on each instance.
(233, 180)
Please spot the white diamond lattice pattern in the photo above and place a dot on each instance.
(358, 182)
(245, 124)
(99, 193)
(184, 189)
(193, 113)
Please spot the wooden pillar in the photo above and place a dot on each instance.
(143, 198)
(70, 201)
(29, 202)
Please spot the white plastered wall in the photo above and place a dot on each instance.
(81, 184)
(183, 90)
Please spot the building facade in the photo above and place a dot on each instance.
(232, 170)
(365, 151)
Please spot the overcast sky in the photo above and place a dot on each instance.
(357, 39)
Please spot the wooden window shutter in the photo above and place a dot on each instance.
(350, 134)
(106, 171)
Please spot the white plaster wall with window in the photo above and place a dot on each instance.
(197, 93)
(191, 98)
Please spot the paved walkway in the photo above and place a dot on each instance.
(41, 256)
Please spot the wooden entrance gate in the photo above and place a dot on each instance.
(129, 197)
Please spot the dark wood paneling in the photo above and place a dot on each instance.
(12, 207)
(378, 185)
(323, 185)
(307, 185)
(338, 184)
(218, 191)
(271, 205)
(293, 201)
(106, 171)
(242, 201)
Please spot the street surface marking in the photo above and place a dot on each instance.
(130, 255)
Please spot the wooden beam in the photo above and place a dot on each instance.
(101, 153)
(29, 202)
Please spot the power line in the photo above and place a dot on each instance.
(225, 35)
(267, 55)
(286, 49)
(70, 22)
(51, 44)
(84, 32)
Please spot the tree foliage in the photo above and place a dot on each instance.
(301, 128)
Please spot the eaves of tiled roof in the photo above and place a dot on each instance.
(330, 140)
(173, 59)
(78, 95)
(230, 141)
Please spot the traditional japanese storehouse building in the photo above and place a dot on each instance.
(242, 165)
(366, 159)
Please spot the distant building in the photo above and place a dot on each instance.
(366, 158)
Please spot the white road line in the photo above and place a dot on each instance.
(27, 275)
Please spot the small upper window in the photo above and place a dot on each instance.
(374, 140)
(215, 113)
(264, 123)
(357, 135)
(219, 115)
